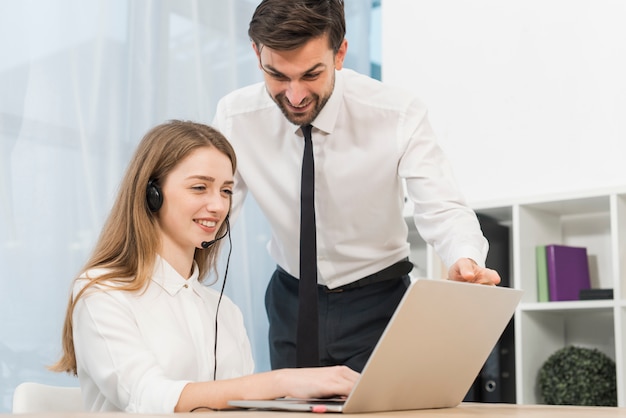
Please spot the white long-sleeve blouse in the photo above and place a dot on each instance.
(135, 352)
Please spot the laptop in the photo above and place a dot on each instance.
(428, 356)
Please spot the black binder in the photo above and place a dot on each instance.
(496, 381)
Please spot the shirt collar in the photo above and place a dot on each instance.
(169, 280)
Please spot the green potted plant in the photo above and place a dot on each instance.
(578, 376)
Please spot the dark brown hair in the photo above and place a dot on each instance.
(285, 25)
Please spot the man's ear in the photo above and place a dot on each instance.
(257, 53)
(341, 54)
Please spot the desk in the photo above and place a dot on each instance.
(465, 410)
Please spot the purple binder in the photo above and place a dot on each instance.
(568, 271)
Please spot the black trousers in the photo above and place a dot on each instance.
(351, 321)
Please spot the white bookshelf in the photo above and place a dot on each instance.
(595, 220)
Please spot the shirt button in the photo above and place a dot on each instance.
(185, 285)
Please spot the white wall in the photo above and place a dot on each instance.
(528, 97)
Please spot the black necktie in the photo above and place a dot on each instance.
(307, 351)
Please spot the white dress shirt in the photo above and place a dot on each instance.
(367, 140)
(135, 352)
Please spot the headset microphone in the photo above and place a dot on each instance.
(207, 244)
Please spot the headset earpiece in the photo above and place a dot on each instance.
(154, 196)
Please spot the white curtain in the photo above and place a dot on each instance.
(81, 81)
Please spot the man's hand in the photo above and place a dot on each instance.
(466, 270)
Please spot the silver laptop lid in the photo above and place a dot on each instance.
(434, 346)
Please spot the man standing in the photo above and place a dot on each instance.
(325, 152)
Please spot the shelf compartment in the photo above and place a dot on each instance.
(584, 222)
(546, 331)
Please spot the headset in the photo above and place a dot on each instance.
(154, 201)
(154, 196)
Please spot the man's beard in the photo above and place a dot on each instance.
(301, 118)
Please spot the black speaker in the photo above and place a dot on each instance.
(154, 196)
(496, 380)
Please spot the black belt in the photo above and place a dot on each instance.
(394, 271)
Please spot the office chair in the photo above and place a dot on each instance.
(31, 397)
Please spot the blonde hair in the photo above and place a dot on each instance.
(129, 240)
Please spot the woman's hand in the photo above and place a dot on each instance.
(318, 382)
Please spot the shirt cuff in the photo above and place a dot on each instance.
(159, 398)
